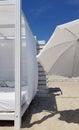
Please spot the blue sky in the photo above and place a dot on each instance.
(44, 15)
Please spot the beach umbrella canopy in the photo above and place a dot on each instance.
(60, 56)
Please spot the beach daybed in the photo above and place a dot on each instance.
(18, 65)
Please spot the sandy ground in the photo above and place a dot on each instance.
(52, 110)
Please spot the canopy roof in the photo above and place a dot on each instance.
(7, 1)
(7, 21)
(7, 43)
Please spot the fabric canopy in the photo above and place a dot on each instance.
(29, 70)
(7, 21)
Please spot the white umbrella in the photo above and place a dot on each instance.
(60, 56)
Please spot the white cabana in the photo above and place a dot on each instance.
(18, 65)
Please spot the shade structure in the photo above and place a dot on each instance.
(18, 64)
(61, 54)
(29, 68)
(29, 72)
(7, 21)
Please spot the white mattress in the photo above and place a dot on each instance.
(7, 98)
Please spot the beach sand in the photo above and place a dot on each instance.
(52, 110)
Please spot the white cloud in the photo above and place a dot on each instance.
(39, 10)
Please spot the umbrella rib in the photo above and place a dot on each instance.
(71, 32)
(60, 44)
(74, 60)
(61, 55)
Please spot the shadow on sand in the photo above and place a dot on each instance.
(39, 104)
(70, 116)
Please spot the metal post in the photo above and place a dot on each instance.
(18, 65)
